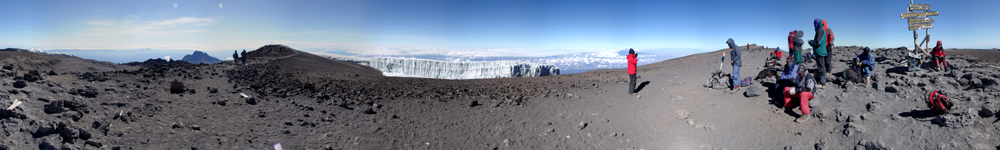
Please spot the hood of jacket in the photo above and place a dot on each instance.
(816, 23)
(732, 44)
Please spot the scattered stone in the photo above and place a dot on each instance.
(196, 127)
(821, 145)
(177, 87)
(987, 111)
(874, 105)
(176, 125)
(89, 91)
(753, 91)
(853, 129)
(474, 103)
(52, 73)
(957, 120)
(213, 90)
(251, 101)
(8, 67)
(690, 122)
(54, 107)
(46, 145)
(873, 145)
(20, 84)
(682, 114)
(581, 125)
(30, 77)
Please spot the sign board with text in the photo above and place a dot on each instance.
(921, 18)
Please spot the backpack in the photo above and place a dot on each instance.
(829, 37)
(853, 75)
(939, 103)
(791, 38)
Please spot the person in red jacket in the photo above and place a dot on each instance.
(938, 56)
(632, 60)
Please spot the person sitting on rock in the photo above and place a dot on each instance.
(805, 84)
(864, 64)
(938, 56)
(789, 74)
(776, 54)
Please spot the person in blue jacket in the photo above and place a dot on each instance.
(734, 57)
(866, 64)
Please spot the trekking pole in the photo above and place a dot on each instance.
(722, 61)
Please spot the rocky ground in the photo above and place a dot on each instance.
(308, 102)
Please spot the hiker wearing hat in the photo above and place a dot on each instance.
(632, 60)
(938, 56)
(795, 45)
(818, 44)
(776, 54)
(805, 84)
(734, 57)
(865, 63)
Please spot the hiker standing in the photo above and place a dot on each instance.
(795, 45)
(632, 60)
(829, 48)
(236, 57)
(734, 57)
(805, 84)
(818, 44)
(244, 54)
(938, 56)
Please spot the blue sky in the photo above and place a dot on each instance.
(474, 27)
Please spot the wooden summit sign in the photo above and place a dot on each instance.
(919, 20)
(918, 17)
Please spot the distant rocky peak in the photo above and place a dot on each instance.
(200, 57)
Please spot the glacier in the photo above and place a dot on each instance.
(426, 68)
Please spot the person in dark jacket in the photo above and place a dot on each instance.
(803, 88)
(938, 56)
(734, 56)
(795, 45)
(236, 57)
(632, 60)
(818, 44)
(244, 54)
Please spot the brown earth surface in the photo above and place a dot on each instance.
(307, 102)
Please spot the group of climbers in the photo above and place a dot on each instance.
(797, 81)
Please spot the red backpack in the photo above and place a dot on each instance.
(829, 34)
(791, 38)
(939, 103)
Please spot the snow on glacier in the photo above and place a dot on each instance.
(415, 67)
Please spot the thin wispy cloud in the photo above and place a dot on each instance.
(134, 26)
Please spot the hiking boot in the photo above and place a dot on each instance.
(803, 118)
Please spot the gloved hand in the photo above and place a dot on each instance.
(791, 91)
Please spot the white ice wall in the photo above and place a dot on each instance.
(452, 70)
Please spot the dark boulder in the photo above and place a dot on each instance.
(20, 84)
(30, 78)
(177, 87)
(8, 67)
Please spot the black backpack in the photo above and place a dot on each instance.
(939, 103)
